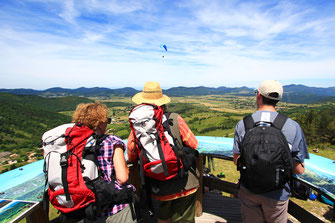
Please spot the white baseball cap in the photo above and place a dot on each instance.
(271, 86)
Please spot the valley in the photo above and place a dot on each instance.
(26, 117)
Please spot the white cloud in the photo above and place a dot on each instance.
(209, 43)
(69, 12)
(117, 7)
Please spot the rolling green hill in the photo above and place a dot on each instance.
(51, 104)
(24, 118)
(299, 94)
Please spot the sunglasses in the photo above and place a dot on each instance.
(109, 120)
(256, 91)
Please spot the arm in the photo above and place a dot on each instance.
(300, 152)
(298, 168)
(236, 156)
(236, 145)
(131, 148)
(186, 134)
(120, 167)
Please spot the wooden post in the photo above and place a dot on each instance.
(198, 202)
(134, 178)
(203, 161)
(209, 163)
(38, 215)
(212, 163)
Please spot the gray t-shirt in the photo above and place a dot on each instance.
(294, 136)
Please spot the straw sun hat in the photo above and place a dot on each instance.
(151, 93)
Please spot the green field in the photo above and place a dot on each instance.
(215, 115)
(26, 118)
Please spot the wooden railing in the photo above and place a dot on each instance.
(294, 209)
(37, 215)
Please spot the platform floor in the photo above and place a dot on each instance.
(216, 209)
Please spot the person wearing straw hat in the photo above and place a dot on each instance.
(177, 206)
(151, 93)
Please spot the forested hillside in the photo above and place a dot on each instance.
(299, 94)
(22, 126)
(318, 125)
(305, 98)
(24, 118)
(51, 104)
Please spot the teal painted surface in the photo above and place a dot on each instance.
(17, 176)
(215, 145)
(25, 184)
(321, 165)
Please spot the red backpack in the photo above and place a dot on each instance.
(76, 184)
(159, 158)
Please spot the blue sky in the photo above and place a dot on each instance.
(89, 43)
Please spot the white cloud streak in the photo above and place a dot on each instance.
(116, 43)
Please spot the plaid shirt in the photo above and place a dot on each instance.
(105, 160)
(188, 139)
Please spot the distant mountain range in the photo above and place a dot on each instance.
(85, 92)
(292, 93)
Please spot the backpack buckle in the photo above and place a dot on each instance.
(63, 160)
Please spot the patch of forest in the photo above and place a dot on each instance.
(318, 124)
(24, 118)
(68, 103)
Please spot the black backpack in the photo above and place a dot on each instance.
(300, 190)
(265, 161)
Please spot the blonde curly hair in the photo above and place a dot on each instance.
(91, 114)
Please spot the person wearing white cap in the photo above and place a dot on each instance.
(268, 206)
(178, 195)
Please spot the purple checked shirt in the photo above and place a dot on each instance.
(105, 160)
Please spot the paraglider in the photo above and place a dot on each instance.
(165, 47)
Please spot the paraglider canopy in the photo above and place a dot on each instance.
(164, 46)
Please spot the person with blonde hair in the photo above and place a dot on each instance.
(111, 158)
(177, 196)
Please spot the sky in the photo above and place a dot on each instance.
(114, 44)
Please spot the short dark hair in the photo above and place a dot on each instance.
(164, 107)
(268, 101)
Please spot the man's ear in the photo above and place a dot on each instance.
(259, 99)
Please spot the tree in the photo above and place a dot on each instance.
(12, 167)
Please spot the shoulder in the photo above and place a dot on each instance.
(291, 125)
(294, 134)
(179, 118)
(114, 141)
(176, 115)
(240, 125)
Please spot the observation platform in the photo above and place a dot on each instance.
(21, 189)
(216, 209)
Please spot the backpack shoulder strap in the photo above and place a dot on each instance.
(248, 122)
(175, 131)
(279, 121)
(100, 138)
